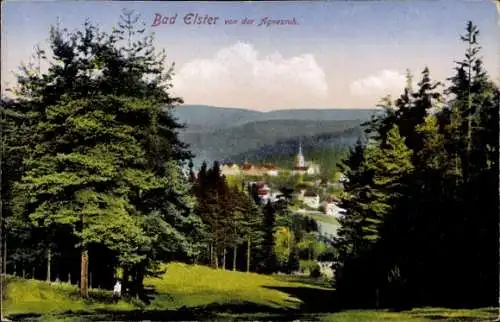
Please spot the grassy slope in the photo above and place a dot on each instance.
(196, 293)
(192, 286)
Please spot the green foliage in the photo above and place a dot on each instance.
(413, 192)
(101, 162)
(283, 245)
(308, 265)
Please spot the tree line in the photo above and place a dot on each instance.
(245, 233)
(422, 198)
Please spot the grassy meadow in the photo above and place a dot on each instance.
(201, 293)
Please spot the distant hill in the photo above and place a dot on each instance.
(269, 138)
(202, 118)
(327, 149)
(311, 146)
(216, 133)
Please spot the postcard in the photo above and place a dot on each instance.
(250, 160)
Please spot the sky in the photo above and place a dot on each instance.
(335, 54)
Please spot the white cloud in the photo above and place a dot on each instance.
(381, 84)
(237, 76)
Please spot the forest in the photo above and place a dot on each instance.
(95, 181)
(422, 198)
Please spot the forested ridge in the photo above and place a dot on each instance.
(96, 183)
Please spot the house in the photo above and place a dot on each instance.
(311, 199)
(263, 191)
(343, 179)
(272, 170)
(230, 169)
(275, 196)
(313, 168)
(249, 169)
(326, 269)
(332, 209)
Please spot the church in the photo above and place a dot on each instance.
(302, 167)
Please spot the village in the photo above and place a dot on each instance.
(311, 193)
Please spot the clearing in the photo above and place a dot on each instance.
(190, 292)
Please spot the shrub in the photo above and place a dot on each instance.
(308, 266)
(315, 273)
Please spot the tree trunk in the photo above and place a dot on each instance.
(224, 259)
(1, 250)
(211, 255)
(49, 262)
(235, 253)
(5, 254)
(248, 255)
(125, 278)
(33, 274)
(84, 291)
(69, 277)
(133, 284)
(140, 281)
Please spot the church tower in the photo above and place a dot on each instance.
(300, 162)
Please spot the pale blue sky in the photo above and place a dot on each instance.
(342, 54)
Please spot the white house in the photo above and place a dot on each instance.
(343, 179)
(273, 172)
(313, 168)
(311, 199)
(332, 208)
(326, 269)
(274, 196)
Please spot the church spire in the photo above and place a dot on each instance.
(300, 161)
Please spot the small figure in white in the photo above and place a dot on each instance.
(117, 291)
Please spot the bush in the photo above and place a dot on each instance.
(315, 273)
(293, 263)
(308, 266)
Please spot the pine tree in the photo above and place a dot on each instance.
(413, 107)
(350, 234)
(252, 230)
(420, 198)
(104, 155)
(268, 256)
(471, 124)
(376, 174)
